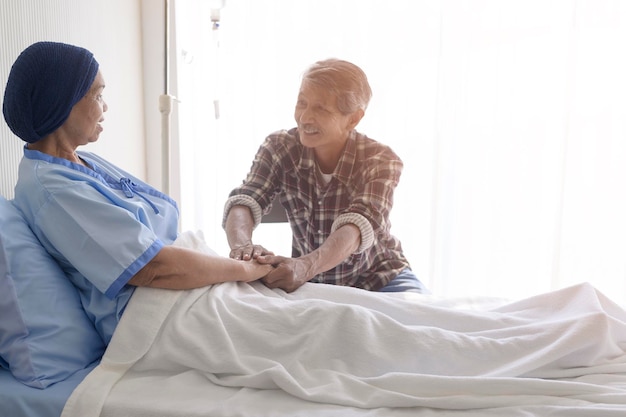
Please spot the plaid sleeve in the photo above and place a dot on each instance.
(375, 185)
(243, 200)
(365, 228)
(261, 183)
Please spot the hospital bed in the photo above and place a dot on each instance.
(19, 400)
(245, 350)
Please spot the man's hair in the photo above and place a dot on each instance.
(346, 80)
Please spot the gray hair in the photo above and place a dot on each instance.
(346, 80)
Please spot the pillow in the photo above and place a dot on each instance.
(45, 335)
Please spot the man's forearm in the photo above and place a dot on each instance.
(342, 243)
(239, 226)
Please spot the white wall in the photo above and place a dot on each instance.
(112, 30)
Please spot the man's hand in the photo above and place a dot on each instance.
(288, 274)
(248, 251)
(239, 226)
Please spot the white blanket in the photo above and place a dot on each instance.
(353, 350)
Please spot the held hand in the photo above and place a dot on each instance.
(288, 274)
(256, 270)
(248, 252)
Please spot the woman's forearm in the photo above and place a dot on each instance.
(180, 268)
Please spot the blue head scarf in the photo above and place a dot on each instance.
(45, 82)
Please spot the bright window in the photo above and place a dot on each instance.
(510, 117)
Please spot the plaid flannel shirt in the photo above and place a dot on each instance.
(360, 192)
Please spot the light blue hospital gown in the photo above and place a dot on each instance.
(102, 226)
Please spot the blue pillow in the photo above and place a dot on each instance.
(45, 335)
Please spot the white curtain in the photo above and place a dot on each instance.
(510, 117)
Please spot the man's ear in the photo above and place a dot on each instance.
(355, 118)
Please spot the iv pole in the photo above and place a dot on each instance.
(165, 107)
(216, 6)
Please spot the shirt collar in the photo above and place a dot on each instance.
(345, 166)
(41, 156)
(307, 158)
(343, 171)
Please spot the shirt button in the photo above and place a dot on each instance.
(319, 203)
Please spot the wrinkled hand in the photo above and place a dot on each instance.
(288, 274)
(248, 252)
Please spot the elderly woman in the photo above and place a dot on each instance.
(108, 230)
(336, 185)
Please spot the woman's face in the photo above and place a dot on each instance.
(84, 122)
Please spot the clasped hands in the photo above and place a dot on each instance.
(288, 273)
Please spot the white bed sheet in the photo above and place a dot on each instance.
(244, 350)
